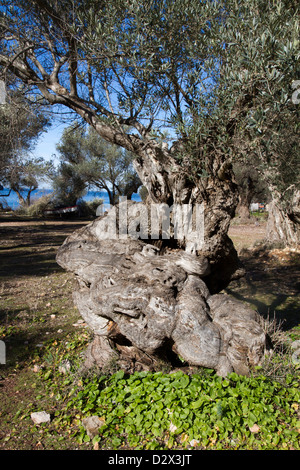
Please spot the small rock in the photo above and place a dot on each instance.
(254, 429)
(79, 323)
(172, 427)
(36, 368)
(296, 357)
(64, 367)
(40, 417)
(92, 424)
(194, 442)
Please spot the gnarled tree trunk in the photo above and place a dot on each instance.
(168, 183)
(284, 224)
(159, 297)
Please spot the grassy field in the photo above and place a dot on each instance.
(45, 340)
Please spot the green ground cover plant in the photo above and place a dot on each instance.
(177, 410)
(158, 410)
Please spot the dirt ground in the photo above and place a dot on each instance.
(36, 303)
(272, 281)
(247, 235)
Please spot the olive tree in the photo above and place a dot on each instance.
(25, 174)
(143, 66)
(21, 124)
(132, 70)
(207, 70)
(262, 64)
(99, 164)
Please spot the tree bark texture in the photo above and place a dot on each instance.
(284, 224)
(149, 297)
(168, 182)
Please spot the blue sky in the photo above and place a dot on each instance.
(46, 146)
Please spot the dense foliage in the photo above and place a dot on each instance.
(159, 410)
(198, 67)
(262, 64)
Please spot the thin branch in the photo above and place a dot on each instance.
(57, 67)
(10, 63)
(73, 67)
(108, 99)
(38, 65)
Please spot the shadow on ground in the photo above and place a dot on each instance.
(36, 302)
(28, 249)
(271, 285)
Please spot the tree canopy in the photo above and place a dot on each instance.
(214, 73)
(21, 126)
(154, 64)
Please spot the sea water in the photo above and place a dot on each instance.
(12, 200)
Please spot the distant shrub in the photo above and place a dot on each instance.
(37, 208)
(89, 208)
(143, 193)
(4, 207)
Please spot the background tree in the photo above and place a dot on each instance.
(25, 174)
(68, 185)
(22, 121)
(251, 187)
(262, 64)
(98, 163)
